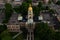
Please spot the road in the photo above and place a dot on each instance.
(2, 15)
(55, 7)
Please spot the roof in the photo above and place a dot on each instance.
(40, 18)
(20, 17)
(30, 21)
(13, 19)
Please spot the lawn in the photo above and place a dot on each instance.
(5, 35)
(20, 37)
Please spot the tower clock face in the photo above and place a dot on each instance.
(30, 12)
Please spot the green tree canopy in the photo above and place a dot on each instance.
(8, 12)
(40, 5)
(29, 1)
(2, 28)
(36, 11)
(24, 8)
(17, 9)
(43, 32)
(57, 36)
(8, 8)
(58, 3)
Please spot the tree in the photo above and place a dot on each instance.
(36, 11)
(57, 36)
(24, 8)
(40, 6)
(24, 31)
(29, 1)
(51, 11)
(17, 9)
(8, 8)
(2, 28)
(43, 32)
(58, 3)
(8, 12)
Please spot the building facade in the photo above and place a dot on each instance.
(13, 28)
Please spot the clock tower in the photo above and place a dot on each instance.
(30, 14)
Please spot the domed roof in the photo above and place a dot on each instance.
(30, 8)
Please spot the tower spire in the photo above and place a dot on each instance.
(30, 7)
(30, 14)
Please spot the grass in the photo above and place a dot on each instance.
(20, 37)
(5, 35)
(13, 33)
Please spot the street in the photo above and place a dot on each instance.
(2, 16)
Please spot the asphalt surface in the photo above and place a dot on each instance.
(55, 7)
(2, 16)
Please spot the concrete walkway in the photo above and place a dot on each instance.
(30, 34)
(16, 35)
